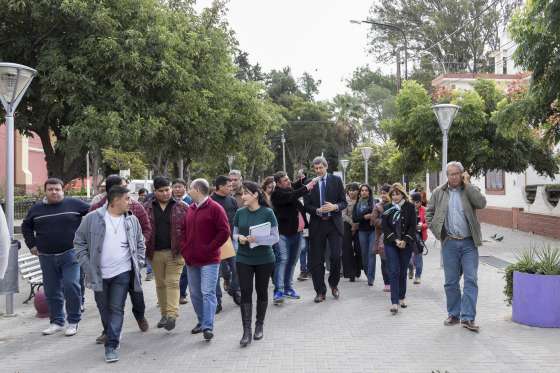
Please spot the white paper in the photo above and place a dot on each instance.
(260, 230)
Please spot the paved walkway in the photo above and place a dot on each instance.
(354, 334)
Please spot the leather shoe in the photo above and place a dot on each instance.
(470, 325)
(197, 329)
(319, 298)
(450, 321)
(143, 324)
(335, 293)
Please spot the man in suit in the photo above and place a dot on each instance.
(325, 204)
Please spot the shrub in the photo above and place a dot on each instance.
(544, 261)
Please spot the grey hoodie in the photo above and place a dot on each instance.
(88, 244)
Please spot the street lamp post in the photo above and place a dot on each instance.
(366, 153)
(344, 163)
(394, 27)
(14, 81)
(230, 159)
(445, 113)
(283, 140)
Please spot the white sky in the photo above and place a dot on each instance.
(308, 35)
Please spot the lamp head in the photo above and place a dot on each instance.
(445, 113)
(14, 80)
(344, 163)
(366, 152)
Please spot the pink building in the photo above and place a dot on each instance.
(30, 165)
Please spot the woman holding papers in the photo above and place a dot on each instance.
(255, 229)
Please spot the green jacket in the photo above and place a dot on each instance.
(436, 212)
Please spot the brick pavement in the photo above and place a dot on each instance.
(353, 334)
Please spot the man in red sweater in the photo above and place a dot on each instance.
(206, 230)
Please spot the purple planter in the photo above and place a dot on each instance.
(536, 300)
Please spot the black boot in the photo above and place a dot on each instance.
(246, 318)
(261, 311)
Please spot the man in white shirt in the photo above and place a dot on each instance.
(110, 247)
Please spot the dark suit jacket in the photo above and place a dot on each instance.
(334, 194)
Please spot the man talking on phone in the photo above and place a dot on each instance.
(451, 216)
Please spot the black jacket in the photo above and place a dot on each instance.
(335, 194)
(408, 223)
(358, 216)
(286, 207)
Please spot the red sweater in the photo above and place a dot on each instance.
(206, 230)
(422, 215)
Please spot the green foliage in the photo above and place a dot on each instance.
(133, 161)
(544, 261)
(384, 166)
(479, 136)
(536, 31)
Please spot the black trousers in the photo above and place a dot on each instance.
(257, 276)
(320, 233)
(351, 255)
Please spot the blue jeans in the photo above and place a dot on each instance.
(228, 266)
(202, 283)
(367, 242)
(304, 247)
(461, 255)
(148, 266)
(110, 303)
(286, 252)
(183, 283)
(398, 260)
(61, 281)
(418, 262)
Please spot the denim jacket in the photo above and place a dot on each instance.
(88, 243)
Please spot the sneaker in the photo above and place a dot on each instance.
(410, 273)
(278, 297)
(170, 324)
(111, 355)
(52, 329)
(183, 300)
(218, 308)
(208, 335)
(101, 339)
(291, 293)
(387, 288)
(71, 330)
(417, 281)
(162, 322)
(149, 276)
(197, 329)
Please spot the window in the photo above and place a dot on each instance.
(504, 65)
(495, 181)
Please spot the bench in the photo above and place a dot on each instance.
(30, 270)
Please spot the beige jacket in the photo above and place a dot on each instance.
(436, 212)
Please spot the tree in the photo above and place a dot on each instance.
(536, 30)
(465, 29)
(475, 138)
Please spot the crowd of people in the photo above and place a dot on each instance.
(190, 235)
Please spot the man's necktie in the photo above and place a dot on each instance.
(323, 186)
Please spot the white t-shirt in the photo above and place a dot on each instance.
(115, 254)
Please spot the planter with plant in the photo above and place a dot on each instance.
(533, 288)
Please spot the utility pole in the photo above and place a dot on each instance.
(399, 81)
(283, 139)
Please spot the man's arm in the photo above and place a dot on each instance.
(308, 205)
(431, 209)
(144, 221)
(476, 198)
(282, 197)
(81, 242)
(140, 244)
(341, 198)
(83, 207)
(28, 230)
(222, 229)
